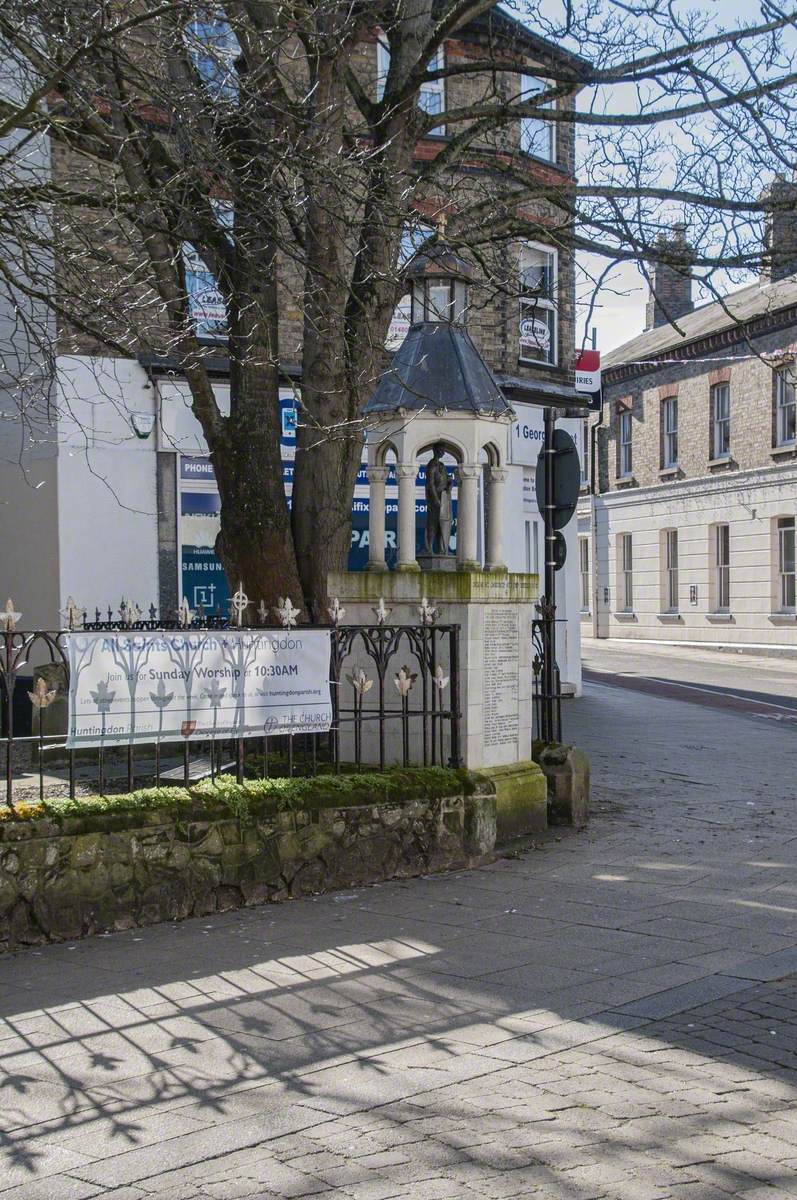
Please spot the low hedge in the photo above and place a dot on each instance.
(261, 796)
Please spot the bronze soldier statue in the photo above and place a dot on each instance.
(438, 502)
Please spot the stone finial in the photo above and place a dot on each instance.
(262, 612)
(8, 617)
(286, 613)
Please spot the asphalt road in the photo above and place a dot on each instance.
(757, 686)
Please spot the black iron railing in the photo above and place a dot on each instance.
(395, 693)
(547, 689)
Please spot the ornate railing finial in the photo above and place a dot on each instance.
(8, 617)
(381, 612)
(336, 611)
(74, 616)
(360, 681)
(404, 680)
(239, 604)
(286, 612)
(184, 614)
(42, 696)
(427, 612)
(129, 612)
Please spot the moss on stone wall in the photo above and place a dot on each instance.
(521, 800)
(258, 797)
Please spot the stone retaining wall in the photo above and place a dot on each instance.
(88, 874)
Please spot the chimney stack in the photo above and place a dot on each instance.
(670, 280)
(779, 258)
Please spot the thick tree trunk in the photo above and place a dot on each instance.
(254, 543)
(349, 295)
(324, 477)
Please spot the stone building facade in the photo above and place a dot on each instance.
(689, 535)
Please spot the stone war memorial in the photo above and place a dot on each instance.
(439, 406)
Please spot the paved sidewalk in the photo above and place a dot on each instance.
(611, 1015)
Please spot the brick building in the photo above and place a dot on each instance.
(123, 463)
(690, 533)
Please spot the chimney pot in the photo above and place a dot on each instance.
(670, 279)
(779, 257)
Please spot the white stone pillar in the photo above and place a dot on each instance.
(495, 520)
(376, 518)
(467, 501)
(406, 473)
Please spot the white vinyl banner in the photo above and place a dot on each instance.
(146, 687)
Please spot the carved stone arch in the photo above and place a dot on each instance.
(493, 454)
(452, 447)
(382, 450)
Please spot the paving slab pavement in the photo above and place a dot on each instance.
(611, 1014)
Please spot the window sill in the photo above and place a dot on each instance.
(724, 463)
(783, 618)
(626, 480)
(546, 162)
(669, 618)
(721, 618)
(535, 362)
(585, 614)
(670, 472)
(787, 450)
(627, 616)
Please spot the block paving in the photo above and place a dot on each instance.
(606, 1015)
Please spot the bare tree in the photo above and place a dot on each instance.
(281, 116)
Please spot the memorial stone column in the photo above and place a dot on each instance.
(406, 473)
(467, 499)
(495, 520)
(377, 477)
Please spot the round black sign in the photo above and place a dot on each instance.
(566, 478)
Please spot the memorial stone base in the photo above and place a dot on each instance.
(494, 612)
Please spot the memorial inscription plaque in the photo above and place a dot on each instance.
(501, 676)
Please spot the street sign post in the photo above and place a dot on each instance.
(558, 484)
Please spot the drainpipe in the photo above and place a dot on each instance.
(593, 516)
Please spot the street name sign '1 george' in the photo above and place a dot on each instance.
(147, 687)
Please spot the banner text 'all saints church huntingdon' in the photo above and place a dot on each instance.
(147, 687)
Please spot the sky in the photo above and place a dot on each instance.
(619, 312)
